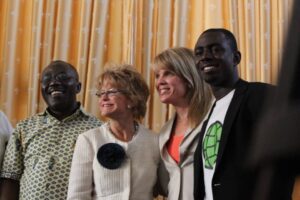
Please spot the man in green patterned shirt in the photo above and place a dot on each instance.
(39, 154)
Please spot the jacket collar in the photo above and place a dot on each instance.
(234, 106)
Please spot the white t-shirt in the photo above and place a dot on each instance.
(5, 132)
(211, 140)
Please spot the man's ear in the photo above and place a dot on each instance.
(237, 57)
(78, 88)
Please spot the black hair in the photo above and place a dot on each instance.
(228, 35)
(63, 63)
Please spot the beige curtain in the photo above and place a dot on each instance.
(90, 33)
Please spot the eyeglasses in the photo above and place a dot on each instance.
(59, 77)
(110, 93)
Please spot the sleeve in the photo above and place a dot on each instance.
(81, 175)
(163, 178)
(13, 163)
(5, 127)
(161, 186)
(5, 132)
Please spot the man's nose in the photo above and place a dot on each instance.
(54, 81)
(207, 53)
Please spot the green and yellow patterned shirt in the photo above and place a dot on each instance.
(39, 154)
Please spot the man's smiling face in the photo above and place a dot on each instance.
(215, 58)
(59, 86)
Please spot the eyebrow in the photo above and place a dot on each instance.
(210, 45)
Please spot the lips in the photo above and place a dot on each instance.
(106, 109)
(106, 105)
(55, 92)
(163, 91)
(209, 68)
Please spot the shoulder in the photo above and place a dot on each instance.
(147, 139)
(167, 126)
(260, 91)
(261, 86)
(89, 118)
(92, 133)
(5, 126)
(82, 121)
(253, 90)
(146, 132)
(2, 115)
(91, 138)
(146, 136)
(256, 85)
(30, 121)
(94, 138)
(255, 98)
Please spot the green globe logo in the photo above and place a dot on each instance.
(211, 144)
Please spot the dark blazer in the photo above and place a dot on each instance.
(231, 180)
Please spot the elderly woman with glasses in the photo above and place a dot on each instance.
(119, 159)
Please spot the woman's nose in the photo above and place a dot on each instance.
(159, 80)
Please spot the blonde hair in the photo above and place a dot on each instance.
(126, 77)
(181, 61)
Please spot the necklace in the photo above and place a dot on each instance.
(135, 126)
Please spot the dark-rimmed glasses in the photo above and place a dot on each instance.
(110, 93)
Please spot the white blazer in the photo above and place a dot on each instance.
(133, 180)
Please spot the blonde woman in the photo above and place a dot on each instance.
(178, 83)
(119, 159)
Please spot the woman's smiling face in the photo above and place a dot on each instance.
(112, 101)
(170, 87)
